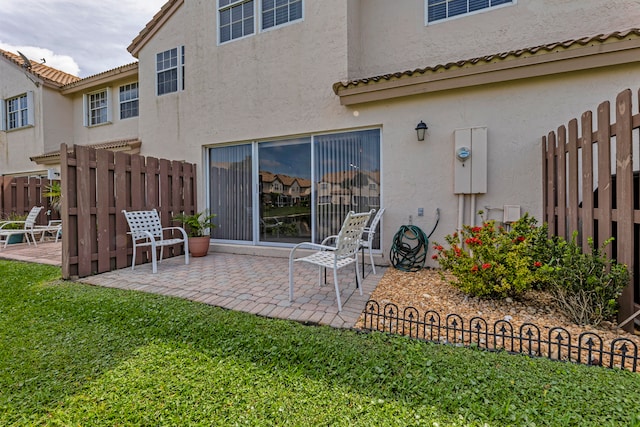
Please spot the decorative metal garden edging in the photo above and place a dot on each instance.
(557, 344)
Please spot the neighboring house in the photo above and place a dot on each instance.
(43, 107)
(317, 88)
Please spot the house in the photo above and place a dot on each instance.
(315, 89)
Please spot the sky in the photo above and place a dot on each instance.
(80, 37)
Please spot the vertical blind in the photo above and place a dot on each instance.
(230, 192)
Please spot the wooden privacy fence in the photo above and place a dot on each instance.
(591, 186)
(97, 185)
(20, 194)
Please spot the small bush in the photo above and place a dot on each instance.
(491, 262)
(585, 286)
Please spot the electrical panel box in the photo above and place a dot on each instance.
(470, 165)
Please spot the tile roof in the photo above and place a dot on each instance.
(100, 78)
(131, 145)
(504, 56)
(44, 72)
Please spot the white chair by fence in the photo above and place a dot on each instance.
(344, 253)
(27, 228)
(146, 230)
(53, 228)
(368, 236)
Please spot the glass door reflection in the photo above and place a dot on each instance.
(285, 191)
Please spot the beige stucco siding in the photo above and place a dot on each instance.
(278, 84)
(57, 123)
(273, 83)
(17, 145)
(517, 115)
(394, 36)
(114, 130)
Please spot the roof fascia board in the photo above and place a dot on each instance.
(124, 72)
(152, 28)
(499, 70)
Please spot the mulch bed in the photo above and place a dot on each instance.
(426, 290)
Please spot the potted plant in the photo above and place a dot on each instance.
(197, 226)
(14, 221)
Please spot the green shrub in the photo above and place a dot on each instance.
(585, 286)
(491, 262)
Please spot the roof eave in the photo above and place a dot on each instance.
(160, 18)
(124, 72)
(500, 70)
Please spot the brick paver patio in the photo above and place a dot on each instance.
(253, 284)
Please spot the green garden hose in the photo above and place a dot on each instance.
(410, 245)
(409, 249)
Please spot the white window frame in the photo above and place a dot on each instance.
(87, 107)
(461, 15)
(24, 115)
(178, 66)
(289, 20)
(258, 17)
(127, 90)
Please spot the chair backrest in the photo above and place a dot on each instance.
(141, 221)
(30, 221)
(348, 240)
(371, 230)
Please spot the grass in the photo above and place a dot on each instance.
(73, 355)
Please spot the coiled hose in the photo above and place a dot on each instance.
(410, 245)
(409, 249)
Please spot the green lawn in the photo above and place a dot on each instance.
(76, 355)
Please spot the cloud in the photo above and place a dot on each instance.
(38, 54)
(90, 34)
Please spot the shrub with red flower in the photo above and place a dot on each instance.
(489, 261)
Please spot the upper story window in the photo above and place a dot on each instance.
(129, 101)
(170, 70)
(438, 10)
(237, 18)
(278, 12)
(96, 108)
(17, 112)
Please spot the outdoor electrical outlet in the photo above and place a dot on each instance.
(420, 211)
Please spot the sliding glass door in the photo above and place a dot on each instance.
(289, 191)
(347, 177)
(230, 192)
(285, 190)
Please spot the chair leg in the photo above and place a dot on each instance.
(358, 278)
(186, 252)
(335, 281)
(290, 279)
(133, 260)
(373, 266)
(154, 259)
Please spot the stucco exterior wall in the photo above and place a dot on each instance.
(278, 84)
(17, 145)
(394, 36)
(114, 130)
(273, 83)
(57, 123)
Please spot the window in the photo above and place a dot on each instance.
(236, 19)
(17, 112)
(170, 70)
(278, 12)
(438, 10)
(96, 107)
(129, 101)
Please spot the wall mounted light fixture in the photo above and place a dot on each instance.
(421, 128)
